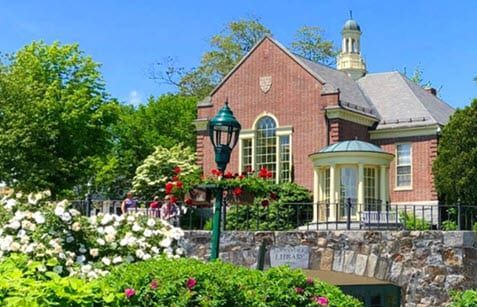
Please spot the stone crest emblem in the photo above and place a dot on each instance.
(265, 83)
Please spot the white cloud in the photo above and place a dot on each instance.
(134, 98)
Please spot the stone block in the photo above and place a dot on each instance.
(288, 237)
(322, 242)
(459, 238)
(267, 237)
(360, 265)
(454, 281)
(371, 265)
(326, 263)
(315, 258)
(338, 261)
(349, 262)
(395, 272)
(381, 269)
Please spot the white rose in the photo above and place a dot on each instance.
(74, 212)
(62, 256)
(110, 230)
(10, 204)
(15, 246)
(94, 252)
(38, 217)
(147, 233)
(166, 242)
(69, 262)
(136, 228)
(14, 225)
(80, 259)
(66, 217)
(42, 268)
(177, 233)
(146, 256)
(59, 210)
(76, 226)
(106, 261)
(69, 239)
(100, 241)
(151, 222)
(30, 248)
(82, 249)
(117, 259)
(140, 253)
(179, 251)
(109, 237)
(155, 250)
(86, 268)
(106, 219)
(92, 275)
(32, 199)
(130, 218)
(25, 239)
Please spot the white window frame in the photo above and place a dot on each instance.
(280, 131)
(407, 187)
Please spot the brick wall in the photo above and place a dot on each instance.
(424, 151)
(343, 130)
(294, 99)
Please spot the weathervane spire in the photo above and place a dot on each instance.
(350, 14)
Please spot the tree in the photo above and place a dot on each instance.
(228, 48)
(153, 174)
(309, 44)
(54, 117)
(455, 168)
(166, 121)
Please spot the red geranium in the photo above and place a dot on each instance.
(237, 191)
(188, 201)
(273, 196)
(216, 172)
(264, 173)
(177, 170)
(128, 292)
(299, 290)
(154, 284)
(175, 178)
(169, 187)
(179, 184)
(228, 175)
(265, 203)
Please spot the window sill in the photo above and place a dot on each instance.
(403, 189)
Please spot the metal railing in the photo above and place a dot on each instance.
(345, 214)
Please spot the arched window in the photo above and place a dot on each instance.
(267, 145)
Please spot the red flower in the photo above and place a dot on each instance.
(179, 184)
(322, 301)
(299, 290)
(265, 203)
(188, 201)
(309, 281)
(228, 175)
(264, 173)
(248, 169)
(216, 172)
(169, 187)
(129, 292)
(173, 199)
(237, 191)
(175, 178)
(241, 176)
(191, 282)
(154, 284)
(177, 170)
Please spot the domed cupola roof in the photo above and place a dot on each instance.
(351, 24)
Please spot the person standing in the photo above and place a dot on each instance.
(128, 203)
(170, 211)
(155, 207)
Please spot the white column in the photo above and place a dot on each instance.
(332, 192)
(316, 194)
(382, 183)
(350, 45)
(360, 185)
(343, 45)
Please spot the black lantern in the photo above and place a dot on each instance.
(224, 130)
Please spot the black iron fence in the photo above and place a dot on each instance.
(346, 214)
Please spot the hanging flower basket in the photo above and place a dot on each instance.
(237, 196)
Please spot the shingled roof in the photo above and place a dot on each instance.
(402, 103)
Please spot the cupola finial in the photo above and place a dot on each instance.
(350, 14)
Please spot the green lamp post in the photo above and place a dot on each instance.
(224, 130)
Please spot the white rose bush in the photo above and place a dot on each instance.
(57, 238)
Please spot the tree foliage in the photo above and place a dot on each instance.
(153, 174)
(54, 117)
(166, 121)
(309, 43)
(229, 47)
(455, 169)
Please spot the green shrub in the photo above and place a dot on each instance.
(464, 299)
(411, 222)
(166, 282)
(450, 223)
(283, 213)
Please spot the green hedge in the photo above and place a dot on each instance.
(166, 282)
(464, 299)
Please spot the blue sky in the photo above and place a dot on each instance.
(127, 37)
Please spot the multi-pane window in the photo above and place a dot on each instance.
(370, 186)
(247, 155)
(403, 165)
(266, 145)
(284, 158)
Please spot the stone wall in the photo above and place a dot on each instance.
(425, 264)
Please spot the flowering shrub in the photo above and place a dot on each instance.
(58, 239)
(466, 298)
(169, 282)
(158, 170)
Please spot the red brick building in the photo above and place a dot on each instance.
(297, 115)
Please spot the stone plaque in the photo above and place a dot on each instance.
(293, 256)
(265, 83)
